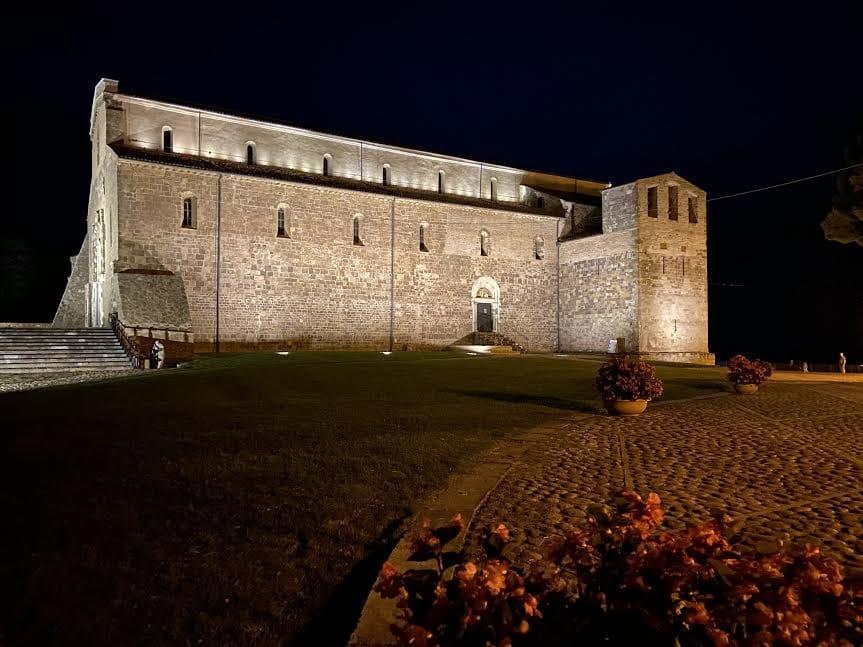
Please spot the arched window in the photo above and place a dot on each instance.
(539, 248)
(423, 246)
(282, 227)
(440, 178)
(250, 152)
(358, 239)
(167, 139)
(190, 215)
(385, 175)
(484, 243)
(493, 189)
(325, 167)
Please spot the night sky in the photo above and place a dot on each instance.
(731, 100)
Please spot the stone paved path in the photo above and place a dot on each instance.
(788, 460)
(25, 381)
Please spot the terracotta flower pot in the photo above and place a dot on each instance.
(625, 407)
(747, 389)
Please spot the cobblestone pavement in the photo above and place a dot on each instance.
(787, 460)
(26, 381)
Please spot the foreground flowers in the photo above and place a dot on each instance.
(621, 579)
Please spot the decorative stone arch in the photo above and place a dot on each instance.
(485, 290)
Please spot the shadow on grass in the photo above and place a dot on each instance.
(585, 406)
(334, 623)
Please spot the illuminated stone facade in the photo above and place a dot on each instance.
(285, 238)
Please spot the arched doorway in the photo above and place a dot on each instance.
(485, 304)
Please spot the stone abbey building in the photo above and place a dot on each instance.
(230, 233)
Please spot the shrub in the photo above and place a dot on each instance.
(618, 579)
(619, 379)
(743, 371)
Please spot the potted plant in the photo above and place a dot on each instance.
(747, 376)
(626, 387)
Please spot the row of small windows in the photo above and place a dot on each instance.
(386, 170)
(672, 203)
(190, 221)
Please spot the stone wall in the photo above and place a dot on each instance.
(151, 300)
(599, 291)
(210, 134)
(72, 311)
(314, 288)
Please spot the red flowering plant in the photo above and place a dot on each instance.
(619, 379)
(743, 371)
(621, 579)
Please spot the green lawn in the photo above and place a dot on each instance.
(247, 499)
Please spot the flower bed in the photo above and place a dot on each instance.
(743, 371)
(621, 579)
(619, 379)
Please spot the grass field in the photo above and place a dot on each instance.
(247, 499)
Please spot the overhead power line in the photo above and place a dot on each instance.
(776, 186)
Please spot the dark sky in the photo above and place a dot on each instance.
(731, 99)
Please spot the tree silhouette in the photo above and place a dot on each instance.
(844, 223)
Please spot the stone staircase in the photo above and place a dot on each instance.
(500, 344)
(56, 350)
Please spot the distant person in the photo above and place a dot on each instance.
(805, 367)
(842, 362)
(157, 355)
(791, 365)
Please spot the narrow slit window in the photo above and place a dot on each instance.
(250, 153)
(167, 140)
(440, 178)
(663, 264)
(423, 246)
(484, 243)
(672, 202)
(385, 175)
(493, 189)
(683, 265)
(652, 207)
(357, 237)
(326, 165)
(539, 248)
(188, 213)
(280, 223)
(693, 209)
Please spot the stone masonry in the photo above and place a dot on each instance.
(348, 269)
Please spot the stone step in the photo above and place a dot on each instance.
(40, 350)
(53, 337)
(58, 349)
(17, 370)
(503, 350)
(15, 359)
(69, 365)
(40, 332)
(11, 347)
